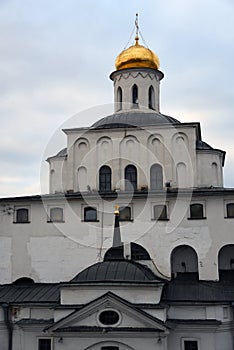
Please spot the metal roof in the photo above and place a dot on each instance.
(62, 153)
(187, 288)
(133, 119)
(33, 293)
(115, 270)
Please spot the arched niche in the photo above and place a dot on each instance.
(81, 149)
(130, 150)
(183, 260)
(104, 150)
(181, 175)
(180, 149)
(157, 151)
(104, 141)
(82, 179)
(214, 172)
(180, 140)
(82, 145)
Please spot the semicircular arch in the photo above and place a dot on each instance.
(184, 259)
(118, 345)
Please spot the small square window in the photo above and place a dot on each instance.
(90, 214)
(125, 214)
(45, 344)
(196, 211)
(230, 210)
(22, 215)
(160, 212)
(190, 345)
(56, 214)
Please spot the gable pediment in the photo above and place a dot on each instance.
(108, 312)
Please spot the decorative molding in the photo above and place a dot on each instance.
(135, 75)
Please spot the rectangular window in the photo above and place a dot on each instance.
(21, 215)
(90, 214)
(56, 215)
(196, 211)
(190, 345)
(45, 344)
(230, 210)
(110, 348)
(160, 212)
(125, 214)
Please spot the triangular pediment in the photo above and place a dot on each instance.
(108, 311)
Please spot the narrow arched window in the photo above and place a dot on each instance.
(151, 98)
(156, 177)
(119, 98)
(105, 178)
(196, 211)
(130, 178)
(135, 96)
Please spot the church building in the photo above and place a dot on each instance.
(133, 246)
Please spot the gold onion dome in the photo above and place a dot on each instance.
(137, 56)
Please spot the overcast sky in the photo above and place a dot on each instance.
(56, 57)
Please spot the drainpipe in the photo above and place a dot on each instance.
(8, 323)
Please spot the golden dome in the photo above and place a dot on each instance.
(137, 56)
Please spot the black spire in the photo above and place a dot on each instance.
(117, 236)
(116, 252)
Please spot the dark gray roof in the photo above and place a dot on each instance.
(34, 293)
(31, 321)
(109, 329)
(202, 145)
(133, 119)
(62, 153)
(187, 288)
(123, 270)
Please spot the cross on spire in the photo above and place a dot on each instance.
(137, 29)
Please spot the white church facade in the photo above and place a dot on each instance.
(156, 274)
